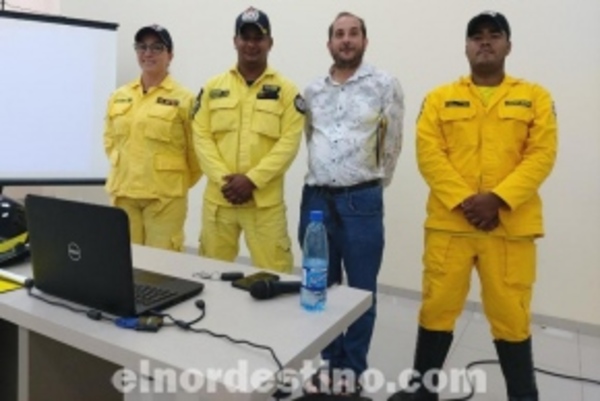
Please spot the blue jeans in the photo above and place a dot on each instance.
(354, 222)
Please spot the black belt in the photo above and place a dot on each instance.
(350, 188)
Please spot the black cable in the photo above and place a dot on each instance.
(91, 313)
(563, 376)
(243, 342)
(496, 362)
(280, 392)
(97, 315)
(188, 327)
(177, 322)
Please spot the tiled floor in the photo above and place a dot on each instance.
(555, 350)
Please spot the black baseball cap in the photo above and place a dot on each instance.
(253, 16)
(496, 18)
(159, 31)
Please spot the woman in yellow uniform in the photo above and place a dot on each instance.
(148, 142)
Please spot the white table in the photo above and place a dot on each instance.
(294, 334)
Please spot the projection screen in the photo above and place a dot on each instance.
(56, 77)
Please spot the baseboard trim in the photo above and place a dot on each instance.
(537, 318)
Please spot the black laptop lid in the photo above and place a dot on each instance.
(81, 252)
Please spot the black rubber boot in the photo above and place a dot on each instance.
(516, 360)
(431, 352)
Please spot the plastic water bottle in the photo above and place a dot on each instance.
(315, 261)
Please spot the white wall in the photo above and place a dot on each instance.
(422, 43)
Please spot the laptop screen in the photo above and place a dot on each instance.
(81, 252)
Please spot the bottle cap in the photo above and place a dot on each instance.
(316, 215)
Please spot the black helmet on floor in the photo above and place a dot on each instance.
(14, 239)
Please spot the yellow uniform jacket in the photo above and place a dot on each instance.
(253, 130)
(507, 147)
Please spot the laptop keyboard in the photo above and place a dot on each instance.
(148, 295)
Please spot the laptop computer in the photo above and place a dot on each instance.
(81, 252)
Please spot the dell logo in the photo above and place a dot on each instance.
(74, 251)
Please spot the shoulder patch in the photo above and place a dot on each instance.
(300, 104)
(197, 103)
(421, 109)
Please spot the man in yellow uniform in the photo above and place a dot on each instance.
(148, 139)
(485, 144)
(248, 127)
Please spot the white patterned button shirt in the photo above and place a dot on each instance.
(353, 130)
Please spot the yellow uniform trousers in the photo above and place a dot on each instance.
(155, 222)
(265, 231)
(506, 269)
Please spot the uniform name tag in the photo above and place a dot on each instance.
(167, 102)
(271, 88)
(269, 92)
(457, 103)
(518, 103)
(267, 95)
(218, 93)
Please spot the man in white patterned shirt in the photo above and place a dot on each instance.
(354, 136)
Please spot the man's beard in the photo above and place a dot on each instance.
(349, 63)
(488, 68)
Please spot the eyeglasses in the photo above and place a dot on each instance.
(155, 48)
